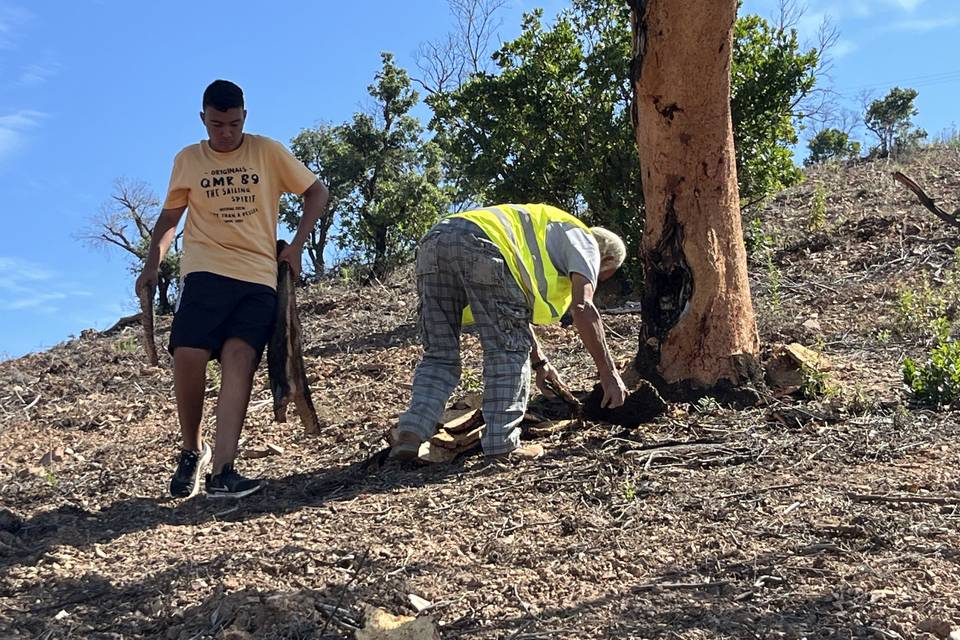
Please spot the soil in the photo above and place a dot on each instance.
(831, 517)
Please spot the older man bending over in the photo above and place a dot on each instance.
(504, 268)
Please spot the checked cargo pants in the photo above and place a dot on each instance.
(456, 266)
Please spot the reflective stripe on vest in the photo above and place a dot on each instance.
(520, 233)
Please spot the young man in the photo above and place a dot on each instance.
(508, 266)
(231, 184)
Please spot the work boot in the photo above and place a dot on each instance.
(522, 453)
(406, 447)
(186, 480)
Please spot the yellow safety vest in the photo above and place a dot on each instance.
(520, 232)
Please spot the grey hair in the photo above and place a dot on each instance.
(611, 245)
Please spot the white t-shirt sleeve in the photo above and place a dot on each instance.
(573, 250)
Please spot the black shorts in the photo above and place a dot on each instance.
(213, 308)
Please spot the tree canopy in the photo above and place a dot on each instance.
(552, 121)
(831, 144)
(891, 120)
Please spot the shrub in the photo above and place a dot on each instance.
(936, 382)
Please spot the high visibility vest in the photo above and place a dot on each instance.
(520, 232)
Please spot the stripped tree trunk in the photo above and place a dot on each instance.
(699, 332)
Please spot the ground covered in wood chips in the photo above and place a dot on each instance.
(832, 517)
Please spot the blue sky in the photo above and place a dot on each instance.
(95, 90)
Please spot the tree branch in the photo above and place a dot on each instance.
(926, 200)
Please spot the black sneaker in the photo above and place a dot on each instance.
(186, 480)
(230, 484)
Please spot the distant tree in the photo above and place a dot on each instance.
(324, 151)
(126, 221)
(831, 144)
(890, 119)
(395, 195)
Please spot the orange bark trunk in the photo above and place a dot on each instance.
(699, 328)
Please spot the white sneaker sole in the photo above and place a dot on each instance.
(219, 495)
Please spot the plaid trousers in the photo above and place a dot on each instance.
(456, 266)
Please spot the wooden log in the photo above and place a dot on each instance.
(146, 321)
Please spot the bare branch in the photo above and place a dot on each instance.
(926, 200)
(446, 65)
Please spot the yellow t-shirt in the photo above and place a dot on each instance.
(232, 202)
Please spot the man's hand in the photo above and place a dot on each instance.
(292, 254)
(548, 373)
(148, 278)
(614, 391)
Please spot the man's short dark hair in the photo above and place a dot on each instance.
(222, 95)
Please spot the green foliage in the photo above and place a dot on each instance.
(890, 119)
(383, 176)
(552, 122)
(816, 384)
(760, 245)
(936, 382)
(818, 209)
(397, 196)
(324, 151)
(770, 76)
(919, 308)
(127, 343)
(758, 242)
(773, 283)
(831, 144)
(213, 374)
(471, 380)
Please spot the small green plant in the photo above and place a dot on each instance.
(918, 308)
(629, 490)
(126, 344)
(471, 380)
(51, 478)
(936, 382)
(816, 384)
(707, 404)
(759, 244)
(884, 336)
(213, 374)
(773, 278)
(818, 209)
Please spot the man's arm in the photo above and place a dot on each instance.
(314, 204)
(586, 318)
(163, 234)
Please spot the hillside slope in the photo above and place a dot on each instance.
(709, 523)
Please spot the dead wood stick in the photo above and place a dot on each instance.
(927, 201)
(336, 607)
(870, 497)
(775, 487)
(146, 320)
(564, 394)
(654, 586)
